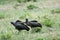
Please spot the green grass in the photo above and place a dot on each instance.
(57, 10)
(42, 14)
(31, 6)
(48, 22)
(20, 1)
(2, 16)
(5, 36)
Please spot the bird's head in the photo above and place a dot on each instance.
(12, 23)
(26, 20)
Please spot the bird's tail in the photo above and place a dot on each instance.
(27, 28)
(40, 26)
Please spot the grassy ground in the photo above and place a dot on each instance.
(8, 13)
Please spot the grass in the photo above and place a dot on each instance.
(31, 7)
(57, 10)
(5, 36)
(36, 30)
(2, 16)
(48, 22)
(21, 1)
(8, 32)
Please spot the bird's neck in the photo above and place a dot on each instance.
(13, 24)
(26, 21)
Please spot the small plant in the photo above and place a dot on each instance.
(31, 7)
(55, 11)
(5, 36)
(34, 0)
(16, 5)
(48, 22)
(37, 29)
(21, 1)
(28, 0)
(39, 39)
(2, 16)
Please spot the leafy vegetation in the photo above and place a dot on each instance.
(31, 7)
(35, 30)
(48, 22)
(56, 10)
(20, 1)
(34, 0)
(8, 13)
(5, 36)
(39, 39)
(2, 16)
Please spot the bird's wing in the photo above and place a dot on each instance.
(18, 21)
(33, 21)
(21, 25)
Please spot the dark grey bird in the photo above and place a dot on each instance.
(33, 23)
(19, 25)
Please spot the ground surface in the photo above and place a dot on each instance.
(9, 13)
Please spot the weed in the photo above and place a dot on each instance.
(5, 36)
(2, 16)
(48, 22)
(39, 39)
(20, 1)
(37, 29)
(55, 11)
(34, 0)
(31, 7)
